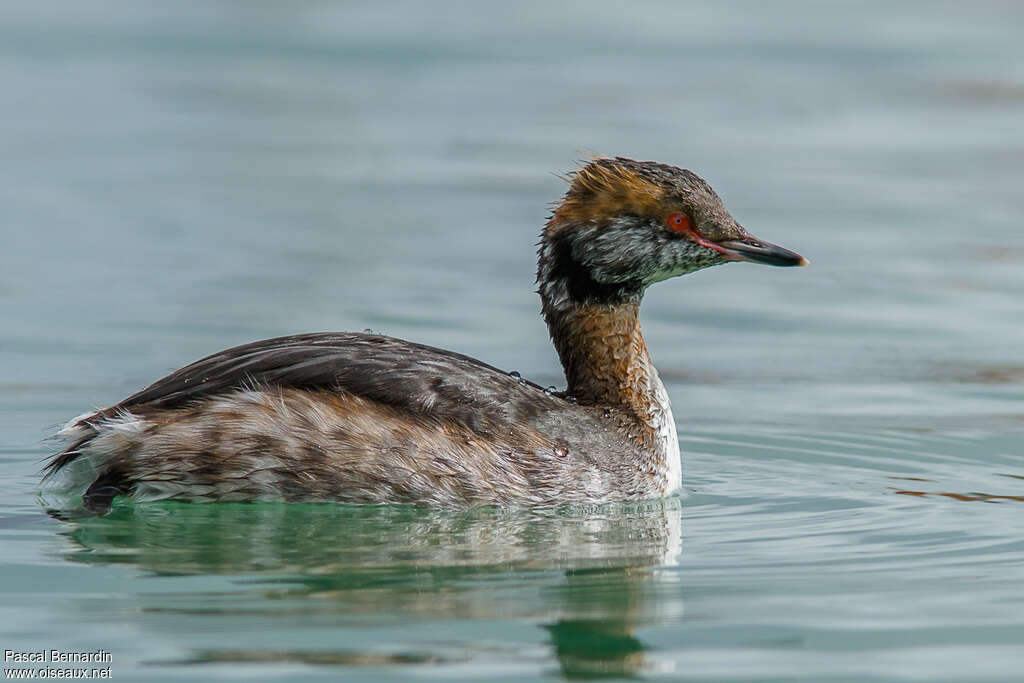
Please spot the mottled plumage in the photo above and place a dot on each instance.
(371, 419)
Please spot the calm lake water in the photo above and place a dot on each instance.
(182, 177)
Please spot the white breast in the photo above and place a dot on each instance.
(668, 441)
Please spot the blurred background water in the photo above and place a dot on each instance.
(176, 178)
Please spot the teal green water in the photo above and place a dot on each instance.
(182, 177)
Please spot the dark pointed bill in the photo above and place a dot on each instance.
(761, 252)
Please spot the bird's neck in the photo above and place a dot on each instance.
(604, 354)
(606, 364)
(595, 328)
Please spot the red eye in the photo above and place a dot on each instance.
(679, 222)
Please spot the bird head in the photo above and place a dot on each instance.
(624, 225)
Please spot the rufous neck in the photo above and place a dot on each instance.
(606, 363)
(603, 354)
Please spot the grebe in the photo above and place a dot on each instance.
(366, 418)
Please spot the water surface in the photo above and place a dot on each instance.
(182, 178)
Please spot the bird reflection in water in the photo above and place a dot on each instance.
(589, 576)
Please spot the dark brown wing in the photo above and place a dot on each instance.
(419, 379)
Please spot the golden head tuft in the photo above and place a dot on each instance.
(605, 188)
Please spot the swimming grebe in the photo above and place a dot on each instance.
(366, 418)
